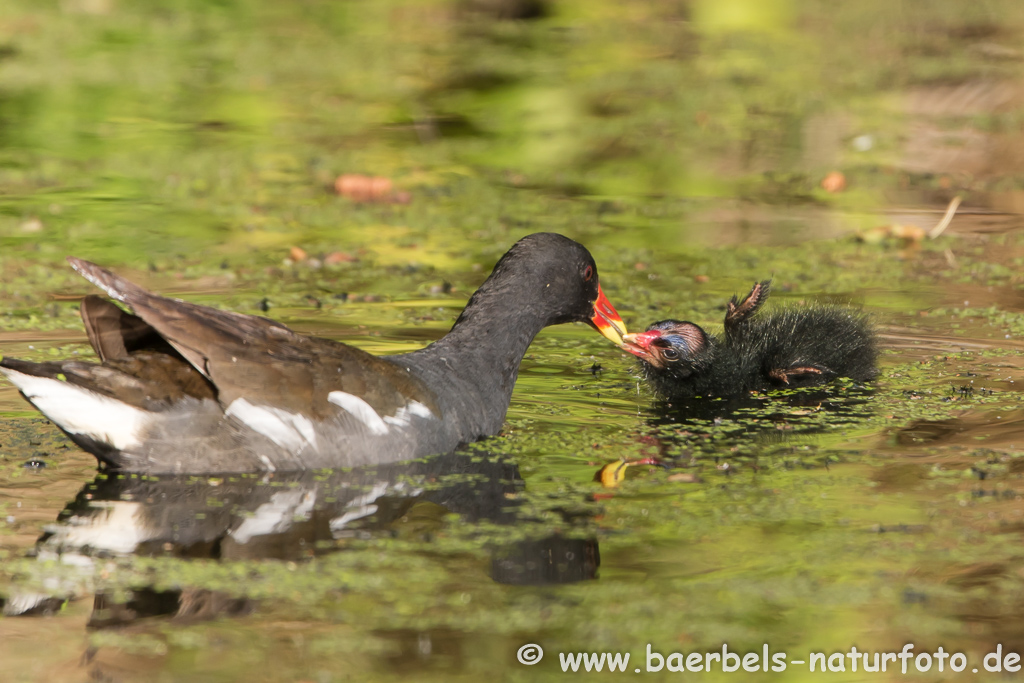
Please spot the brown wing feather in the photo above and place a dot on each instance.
(251, 357)
(114, 333)
(738, 312)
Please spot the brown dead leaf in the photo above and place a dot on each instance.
(336, 257)
(910, 233)
(834, 182)
(364, 188)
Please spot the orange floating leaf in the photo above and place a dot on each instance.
(834, 182)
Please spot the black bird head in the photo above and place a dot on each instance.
(551, 279)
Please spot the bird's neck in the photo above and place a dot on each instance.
(474, 367)
(489, 343)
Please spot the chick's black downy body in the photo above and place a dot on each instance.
(790, 348)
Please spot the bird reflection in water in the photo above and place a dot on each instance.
(686, 436)
(288, 517)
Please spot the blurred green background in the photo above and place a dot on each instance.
(136, 130)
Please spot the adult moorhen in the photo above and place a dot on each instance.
(188, 388)
(788, 348)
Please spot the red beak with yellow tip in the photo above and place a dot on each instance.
(606, 319)
(639, 344)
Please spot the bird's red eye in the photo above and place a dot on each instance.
(588, 273)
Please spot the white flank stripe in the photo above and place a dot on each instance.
(419, 410)
(402, 416)
(360, 410)
(287, 430)
(399, 420)
(80, 411)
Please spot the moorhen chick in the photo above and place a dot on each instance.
(184, 388)
(785, 349)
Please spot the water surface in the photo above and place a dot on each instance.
(192, 145)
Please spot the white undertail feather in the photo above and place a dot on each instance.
(79, 411)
